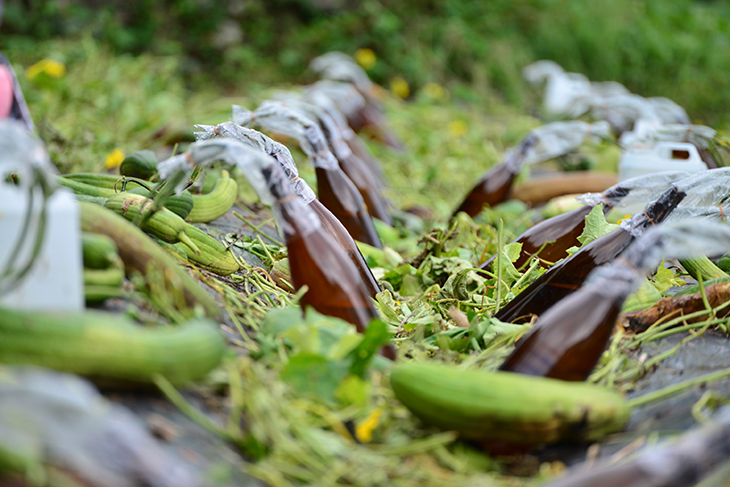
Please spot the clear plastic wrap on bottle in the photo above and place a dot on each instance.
(330, 223)
(559, 138)
(336, 191)
(633, 192)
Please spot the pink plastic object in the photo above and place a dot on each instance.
(6, 92)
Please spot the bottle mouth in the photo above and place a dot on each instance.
(616, 193)
(667, 202)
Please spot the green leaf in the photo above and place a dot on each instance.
(596, 227)
(353, 390)
(410, 286)
(374, 337)
(387, 307)
(396, 275)
(281, 319)
(387, 258)
(642, 298)
(309, 373)
(462, 284)
(510, 254)
(665, 278)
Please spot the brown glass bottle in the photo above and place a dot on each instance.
(562, 230)
(371, 121)
(496, 185)
(569, 338)
(336, 230)
(358, 147)
(317, 261)
(494, 188)
(340, 196)
(568, 275)
(367, 185)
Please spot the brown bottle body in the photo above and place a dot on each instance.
(357, 146)
(562, 230)
(341, 197)
(568, 275)
(494, 188)
(334, 285)
(372, 122)
(567, 341)
(368, 186)
(334, 289)
(337, 231)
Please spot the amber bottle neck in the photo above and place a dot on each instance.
(655, 212)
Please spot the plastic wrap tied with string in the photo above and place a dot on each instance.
(179, 168)
(257, 140)
(344, 95)
(541, 71)
(550, 141)
(565, 93)
(277, 117)
(255, 165)
(699, 135)
(572, 95)
(23, 159)
(632, 192)
(338, 66)
(321, 100)
(331, 129)
(705, 189)
(278, 185)
(363, 175)
(668, 111)
(336, 191)
(678, 239)
(558, 138)
(60, 420)
(622, 111)
(705, 192)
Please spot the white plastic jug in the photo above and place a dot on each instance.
(55, 280)
(664, 156)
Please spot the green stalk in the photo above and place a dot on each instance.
(702, 268)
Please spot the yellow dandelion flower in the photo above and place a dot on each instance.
(436, 92)
(457, 128)
(626, 217)
(400, 87)
(366, 58)
(364, 430)
(114, 158)
(49, 67)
